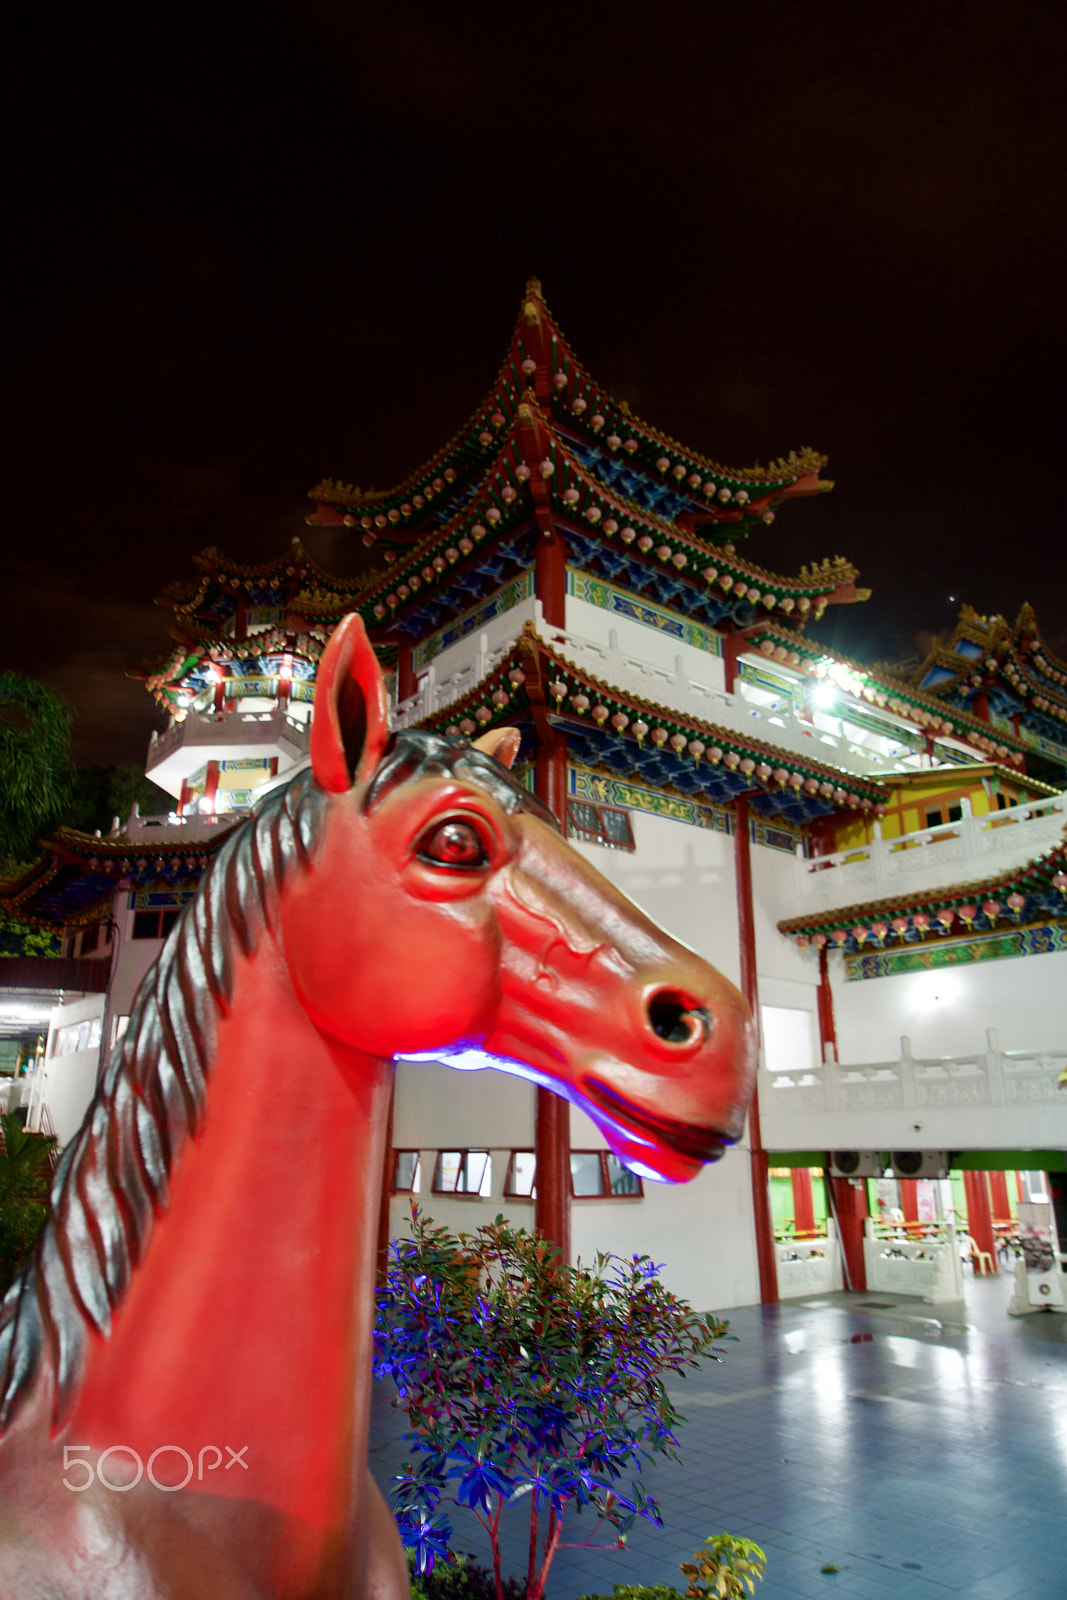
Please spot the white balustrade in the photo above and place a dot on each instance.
(986, 1078)
(930, 1266)
(675, 688)
(932, 858)
(809, 1266)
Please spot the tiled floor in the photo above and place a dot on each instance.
(919, 1450)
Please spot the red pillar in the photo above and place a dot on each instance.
(909, 1198)
(998, 1193)
(406, 681)
(850, 1207)
(550, 576)
(211, 784)
(386, 1191)
(552, 1206)
(803, 1201)
(746, 927)
(824, 1001)
(979, 1214)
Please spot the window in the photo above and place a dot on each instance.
(153, 924)
(934, 818)
(77, 1036)
(521, 1180)
(598, 1174)
(463, 1172)
(605, 825)
(406, 1171)
(788, 1039)
(90, 939)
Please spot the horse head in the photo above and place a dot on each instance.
(483, 938)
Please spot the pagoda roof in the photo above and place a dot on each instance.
(1034, 892)
(547, 447)
(883, 688)
(1009, 663)
(78, 872)
(538, 478)
(540, 359)
(308, 599)
(292, 581)
(534, 684)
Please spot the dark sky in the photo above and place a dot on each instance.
(254, 246)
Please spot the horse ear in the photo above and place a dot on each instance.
(502, 744)
(350, 728)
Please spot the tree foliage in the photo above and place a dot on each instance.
(523, 1376)
(36, 772)
(26, 1166)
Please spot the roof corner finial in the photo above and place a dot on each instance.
(533, 286)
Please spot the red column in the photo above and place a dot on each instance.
(406, 681)
(746, 927)
(386, 1191)
(803, 1201)
(850, 1207)
(998, 1193)
(552, 1206)
(979, 1214)
(824, 1001)
(550, 576)
(211, 784)
(909, 1198)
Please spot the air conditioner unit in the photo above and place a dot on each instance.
(857, 1163)
(919, 1163)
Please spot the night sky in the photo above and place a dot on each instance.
(256, 246)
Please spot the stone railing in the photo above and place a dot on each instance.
(930, 1267)
(809, 1266)
(953, 852)
(195, 827)
(986, 1078)
(221, 728)
(674, 687)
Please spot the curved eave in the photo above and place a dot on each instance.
(1032, 893)
(78, 871)
(539, 358)
(885, 693)
(698, 758)
(223, 578)
(583, 507)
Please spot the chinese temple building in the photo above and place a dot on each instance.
(874, 855)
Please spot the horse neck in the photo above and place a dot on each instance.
(249, 1321)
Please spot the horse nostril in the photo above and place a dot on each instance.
(674, 1021)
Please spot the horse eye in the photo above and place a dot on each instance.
(454, 844)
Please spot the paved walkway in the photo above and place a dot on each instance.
(919, 1450)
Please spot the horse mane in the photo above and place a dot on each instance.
(114, 1177)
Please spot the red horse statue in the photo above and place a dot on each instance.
(185, 1360)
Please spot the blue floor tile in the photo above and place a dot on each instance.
(925, 1462)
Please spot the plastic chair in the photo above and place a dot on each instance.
(981, 1260)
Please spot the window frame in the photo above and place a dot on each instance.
(606, 1191)
(414, 1187)
(511, 1194)
(464, 1152)
(601, 836)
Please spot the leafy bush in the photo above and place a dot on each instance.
(521, 1376)
(26, 1162)
(723, 1567)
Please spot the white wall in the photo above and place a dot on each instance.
(948, 1011)
(701, 1232)
(650, 645)
(70, 1080)
(683, 878)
